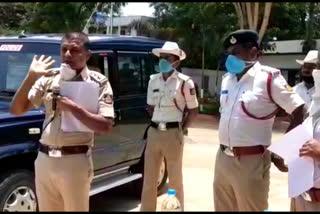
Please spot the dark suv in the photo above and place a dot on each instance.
(118, 157)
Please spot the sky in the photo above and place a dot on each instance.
(137, 8)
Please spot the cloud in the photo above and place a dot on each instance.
(137, 9)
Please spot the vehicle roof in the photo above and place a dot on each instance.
(96, 40)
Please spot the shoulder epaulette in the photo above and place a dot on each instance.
(269, 69)
(53, 72)
(183, 76)
(98, 78)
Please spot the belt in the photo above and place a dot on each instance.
(312, 195)
(65, 150)
(162, 126)
(240, 151)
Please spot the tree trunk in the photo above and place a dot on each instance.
(249, 15)
(239, 13)
(244, 11)
(256, 15)
(264, 25)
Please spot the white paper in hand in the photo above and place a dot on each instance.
(288, 148)
(86, 94)
(300, 169)
(300, 176)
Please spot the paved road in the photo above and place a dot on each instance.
(199, 156)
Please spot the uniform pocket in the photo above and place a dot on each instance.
(179, 136)
(48, 102)
(223, 102)
(90, 165)
(266, 159)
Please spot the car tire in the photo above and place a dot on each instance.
(17, 190)
(162, 180)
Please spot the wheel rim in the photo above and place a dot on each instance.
(21, 199)
(162, 172)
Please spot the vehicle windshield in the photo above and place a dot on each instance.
(15, 60)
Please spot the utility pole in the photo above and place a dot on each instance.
(111, 19)
(85, 28)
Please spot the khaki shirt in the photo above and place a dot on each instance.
(236, 128)
(41, 92)
(161, 95)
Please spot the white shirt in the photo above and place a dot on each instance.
(161, 95)
(316, 135)
(305, 94)
(238, 129)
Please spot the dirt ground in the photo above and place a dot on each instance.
(198, 170)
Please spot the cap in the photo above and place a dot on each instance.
(311, 57)
(171, 192)
(170, 48)
(240, 37)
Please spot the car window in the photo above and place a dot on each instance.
(134, 73)
(130, 74)
(14, 65)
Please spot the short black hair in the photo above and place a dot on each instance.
(77, 35)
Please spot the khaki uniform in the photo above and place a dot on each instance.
(168, 144)
(63, 183)
(242, 183)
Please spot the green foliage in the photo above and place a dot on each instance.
(197, 26)
(54, 17)
(294, 21)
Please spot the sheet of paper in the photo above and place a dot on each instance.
(85, 94)
(288, 147)
(300, 170)
(300, 177)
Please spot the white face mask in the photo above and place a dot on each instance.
(66, 72)
(316, 75)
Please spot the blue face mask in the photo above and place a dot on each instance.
(165, 66)
(235, 65)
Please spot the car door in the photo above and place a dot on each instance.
(134, 70)
(128, 73)
(107, 147)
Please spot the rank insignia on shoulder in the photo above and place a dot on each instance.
(192, 91)
(108, 99)
(289, 88)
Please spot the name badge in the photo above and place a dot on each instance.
(224, 92)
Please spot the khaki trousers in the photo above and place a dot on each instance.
(241, 183)
(299, 204)
(168, 144)
(63, 184)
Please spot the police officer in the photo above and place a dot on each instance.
(310, 200)
(170, 95)
(251, 93)
(305, 89)
(63, 168)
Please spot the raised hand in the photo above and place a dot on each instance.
(41, 66)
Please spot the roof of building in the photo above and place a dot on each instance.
(126, 20)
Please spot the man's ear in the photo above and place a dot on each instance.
(254, 53)
(176, 64)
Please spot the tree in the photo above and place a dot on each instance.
(12, 16)
(295, 22)
(198, 29)
(54, 17)
(249, 16)
(143, 27)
